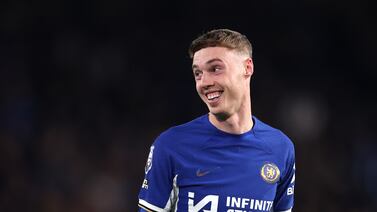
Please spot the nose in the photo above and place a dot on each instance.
(206, 80)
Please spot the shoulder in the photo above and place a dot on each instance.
(279, 144)
(273, 136)
(181, 132)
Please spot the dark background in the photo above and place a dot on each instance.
(86, 86)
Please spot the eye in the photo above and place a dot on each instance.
(197, 74)
(215, 69)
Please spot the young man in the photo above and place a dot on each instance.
(226, 160)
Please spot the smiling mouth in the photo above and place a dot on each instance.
(213, 96)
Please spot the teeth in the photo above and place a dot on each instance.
(213, 95)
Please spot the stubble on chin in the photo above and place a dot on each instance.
(220, 116)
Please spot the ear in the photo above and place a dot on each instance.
(249, 67)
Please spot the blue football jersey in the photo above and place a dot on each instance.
(197, 167)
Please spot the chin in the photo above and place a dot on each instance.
(220, 115)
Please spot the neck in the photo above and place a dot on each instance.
(237, 123)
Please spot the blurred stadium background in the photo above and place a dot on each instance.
(85, 87)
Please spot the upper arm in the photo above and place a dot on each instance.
(156, 189)
(284, 199)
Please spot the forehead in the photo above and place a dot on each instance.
(206, 54)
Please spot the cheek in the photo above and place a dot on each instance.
(236, 90)
(197, 88)
(238, 84)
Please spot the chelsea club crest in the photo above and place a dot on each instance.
(148, 166)
(270, 172)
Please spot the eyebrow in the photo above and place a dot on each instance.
(209, 62)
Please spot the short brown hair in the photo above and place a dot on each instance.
(223, 38)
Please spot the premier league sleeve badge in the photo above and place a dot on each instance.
(148, 166)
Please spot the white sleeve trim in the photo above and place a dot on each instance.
(289, 210)
(171, 205)
(150, 206)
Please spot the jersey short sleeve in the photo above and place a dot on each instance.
(285, 190)
(156, 192)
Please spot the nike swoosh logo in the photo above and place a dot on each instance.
(201, 173)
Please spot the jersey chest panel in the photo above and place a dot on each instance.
(225, 177)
